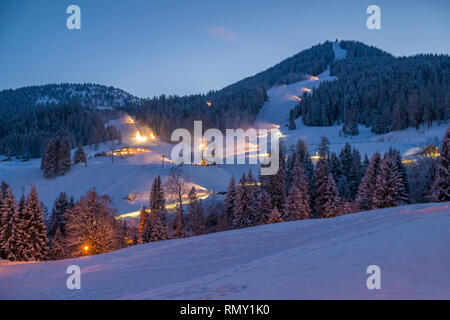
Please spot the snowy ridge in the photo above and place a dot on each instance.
(309, 259)
(90, 95)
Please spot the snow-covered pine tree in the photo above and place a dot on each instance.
(404, 184)
(320, 184)
(56, 158)
(64, 159)
(214, 211)
(334, 166)
(298, 202)
(290, 163)
(229, 201)
(49, 161)
(441, 188)
(365, 164)
(421, 176)
(254, 190)
(347, 172)
(297, 205)
(307, 165)
(324, 150)
(243, 206)
(21, 231)
(3, 190)
(178, 226)
(301, 149)
(292, 125)
(35, 247)
(158, 200)
(275, 216)
(58, 220)
(350, 126)
(389, 185)
(143, 220)
(264, 207)
(192, 208)
(80, 156)
(275, 185)
(344, 188)
(332, 207)
(56, 251)
(159, 230)
(199, 220)
(195, 219)
(364, 197)
(153, 202)
(345, 160)
(9, 230)
(355, 175)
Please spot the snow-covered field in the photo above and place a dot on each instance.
(311, 259)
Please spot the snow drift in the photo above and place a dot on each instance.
(310, 259)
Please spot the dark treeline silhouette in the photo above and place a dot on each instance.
(31, 116)
(27, 134)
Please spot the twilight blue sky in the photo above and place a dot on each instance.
(150, 47)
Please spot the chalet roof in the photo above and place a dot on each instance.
(419, 150)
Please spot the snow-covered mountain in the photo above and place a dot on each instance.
(89, 95)
(309, 259)
(281, 99)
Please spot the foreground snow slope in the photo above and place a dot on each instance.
(311, 259)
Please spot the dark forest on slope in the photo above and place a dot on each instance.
(373, 88)
(380, 91)
(31, 116)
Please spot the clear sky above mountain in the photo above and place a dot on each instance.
(182, 47)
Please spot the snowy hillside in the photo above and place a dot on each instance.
(312, 259)
(135, 175)
(282, 99)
